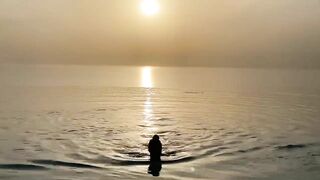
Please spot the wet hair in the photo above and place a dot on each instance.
(156, 137)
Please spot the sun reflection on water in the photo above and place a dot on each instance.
(146, 77)
(146, 82)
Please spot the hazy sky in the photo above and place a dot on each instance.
(276, 33)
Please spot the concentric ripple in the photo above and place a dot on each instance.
(105, 128)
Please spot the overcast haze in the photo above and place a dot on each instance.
(241, 33)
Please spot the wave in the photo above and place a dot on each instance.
(295, 146)
(291, 146)
(65, 164)
(145, 161)
(242, 151)
(22, 167)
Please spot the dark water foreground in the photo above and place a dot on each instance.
(91, 133)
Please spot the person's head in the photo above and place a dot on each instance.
(156, 137)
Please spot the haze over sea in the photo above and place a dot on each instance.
(94, 122)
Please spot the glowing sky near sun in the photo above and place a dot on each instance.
(149, 7)
(246, 33)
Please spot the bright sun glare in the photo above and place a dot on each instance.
(149, 7)
(146, 77)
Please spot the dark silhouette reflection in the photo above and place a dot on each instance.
(155, 168)
(155, 150)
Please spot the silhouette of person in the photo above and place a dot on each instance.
(155, 150)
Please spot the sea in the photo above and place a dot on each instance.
(84, 122)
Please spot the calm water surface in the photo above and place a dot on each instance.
(101, 132)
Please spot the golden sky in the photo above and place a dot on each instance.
(267, 33)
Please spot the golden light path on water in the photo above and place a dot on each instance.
(146, 77)
(147, 83)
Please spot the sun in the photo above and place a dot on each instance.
(149, 7)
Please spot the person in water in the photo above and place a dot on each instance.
(155, 150)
